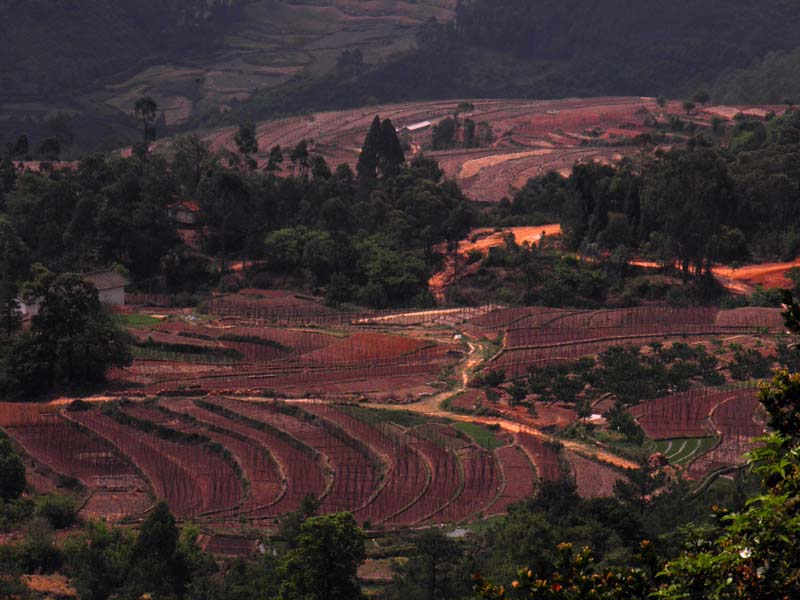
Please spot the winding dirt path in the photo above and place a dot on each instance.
(432, 406)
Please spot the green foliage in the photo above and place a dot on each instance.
(432, 571)
(72, 339)
(12, 471)
(576, 577)
(312, 572)
(58, 510)
(629, 374)
(291, 525)
(37, 551)
(620, 420)
(748, 364)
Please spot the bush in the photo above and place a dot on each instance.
(12, 471)
(494, 378)
(59, 511)
(261, 281)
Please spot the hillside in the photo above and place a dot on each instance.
(526, 138)
(544, 49)
(91, 65)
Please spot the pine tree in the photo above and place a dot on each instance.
(368, 161)
(391, 155)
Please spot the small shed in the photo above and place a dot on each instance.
(184, 212)
(417, 127)
(110, 286)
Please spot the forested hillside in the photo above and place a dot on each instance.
(56, 48)
(548, 49)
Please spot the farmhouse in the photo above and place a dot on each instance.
(184, 212)
(110, 286)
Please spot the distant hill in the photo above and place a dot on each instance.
(220, 62)
(562, 48)
(55, 47)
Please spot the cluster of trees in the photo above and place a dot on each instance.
(71, 341)
(452, 132)
(745, 551)
(373, 233)
(318, 561)
(690, 207)
(368, 237)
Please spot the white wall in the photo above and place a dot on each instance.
(115, 296)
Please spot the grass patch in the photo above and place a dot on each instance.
(483, 436)
(681, 451)
(136, 320)
(214, 356)
(403, 418)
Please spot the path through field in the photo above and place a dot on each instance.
(432, 407)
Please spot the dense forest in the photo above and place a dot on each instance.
(54, 49)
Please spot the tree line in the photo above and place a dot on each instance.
(692, 206)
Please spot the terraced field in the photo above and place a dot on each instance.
(532, 137)
(220, 458)
(681, 451)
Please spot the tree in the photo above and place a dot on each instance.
(20, 148)
(701, 96)
(12, 471)
(50, 149)
(689, 106)
(145, 109)
(224, 198)
(300, 157)
(275, 160)
(325, 562)
(72, 339)
(369, 159)
(14, 257)
(98, 560)
(430, 572)
(190, 159)
(247, 145)
(158, 567)
(390, 155)
(577, 577)
(444, 134)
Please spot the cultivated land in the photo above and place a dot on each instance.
(530, 137)
(236, 413)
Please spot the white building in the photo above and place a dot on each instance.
(110, 286)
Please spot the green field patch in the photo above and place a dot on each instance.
(481, 434)
(142, 321)
(681, 451)
(403, 418)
